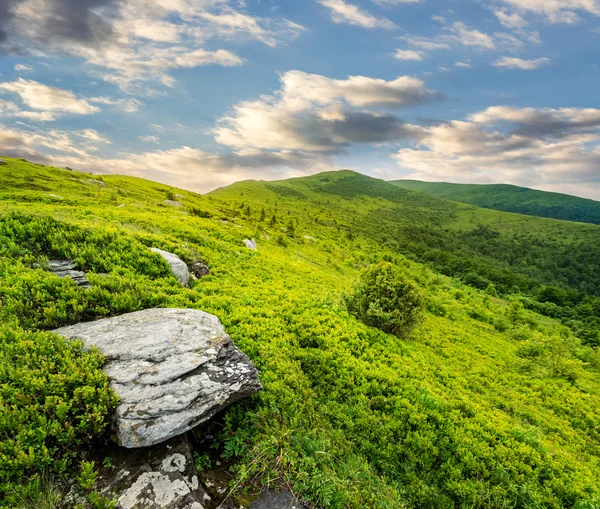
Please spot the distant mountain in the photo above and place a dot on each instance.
(510, 198)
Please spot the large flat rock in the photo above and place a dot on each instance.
(171, 368)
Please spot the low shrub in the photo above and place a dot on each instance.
(54, 398)
(386, 299)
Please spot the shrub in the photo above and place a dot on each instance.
(53, 399)
(386, 299)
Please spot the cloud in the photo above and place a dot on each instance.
(131, 42)
(528, 146)
(313, 113)
(462, 34)
(150, 139)
(48, 101)
(557, 11)
(408, 54)
(23, 68)
(129, 105)
(425, 43)
(519, 63)
(464, 65)
(344, 12)
(510, 20)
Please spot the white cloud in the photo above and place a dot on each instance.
(408, 54)
(425, 43)
(544, 147)
(344, 12)
(320, 115)
(463, 65)
(557, 11)
(150, 139)
(510, 20)
(519, 63)
(129, 105)
(144, 40)
(462, 34)
(48, 101)
(23, 68)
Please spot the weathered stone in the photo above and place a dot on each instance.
(162, 476)
(199, 269)
(272, 500)
(95, 182)
(171, 368)
(178, 266)
(66, 268)
(173, 203)
(2, 162)
(250, 244)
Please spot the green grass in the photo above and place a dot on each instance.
(511, 198)
(485, 405)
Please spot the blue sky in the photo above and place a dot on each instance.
(201, 93)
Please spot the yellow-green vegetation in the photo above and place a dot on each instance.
(512, 199)
(486, 405)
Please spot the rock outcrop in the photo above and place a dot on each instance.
(171, 368)
(173, 203)
(2, 162)
(251, 244)
(66, 268)
(199, 269)
(163, 476)
(97, 183)
(178, 266)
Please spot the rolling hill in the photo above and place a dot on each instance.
(491, 402)
(511, 198)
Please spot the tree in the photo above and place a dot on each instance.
(384, 298)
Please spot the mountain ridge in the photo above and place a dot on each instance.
(511, 198)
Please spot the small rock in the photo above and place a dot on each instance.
(272, 500)
(171, 368)
(2, 162)
(162, 476)
(309, 238)
(178, 266)
(250, 244)
(95, 182)
(179, 196)
(69, 169)
(66, 268)
(199, 269)
(52, 195)
(173, 203)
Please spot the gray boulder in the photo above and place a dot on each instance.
(95, 182)
(250, 244)
(173, 203)
(199, 270)
(171, 368)
(178, 266)
(2, 161)
(162, 476)
(66, 268)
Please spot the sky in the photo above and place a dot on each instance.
(202, 93)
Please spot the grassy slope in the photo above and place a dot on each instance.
(511, 198)
(351, 417)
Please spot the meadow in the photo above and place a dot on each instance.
(491, 401)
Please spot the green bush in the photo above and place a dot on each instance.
(386, 299)
(53, 399)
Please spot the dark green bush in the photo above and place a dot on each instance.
(53, 399)
(386, 299)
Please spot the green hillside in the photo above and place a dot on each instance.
(487, 404)
(510, 198)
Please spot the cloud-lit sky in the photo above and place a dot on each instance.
(202, 93)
